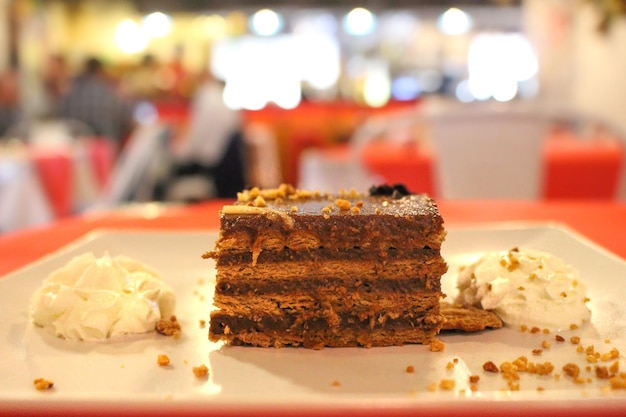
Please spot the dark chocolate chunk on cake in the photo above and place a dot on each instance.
(300, 268)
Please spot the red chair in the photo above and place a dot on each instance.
(582, 169)
(404, 163)
(55, 169)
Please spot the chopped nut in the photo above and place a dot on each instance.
(410, 369)
(168, 327)
(474, 379)
(42, 384)
(437, 346)
(163, 360)
(201, 371)
(490, 367)
(343, 205)
(447, 384)
(260, 202)
(559, 338)
(602, 372)
(613, 354)
(571, 369)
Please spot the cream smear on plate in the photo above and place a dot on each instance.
(96, 299)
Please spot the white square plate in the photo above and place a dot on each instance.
(124, 376)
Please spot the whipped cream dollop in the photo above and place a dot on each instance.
(94, 299)
(525, 288)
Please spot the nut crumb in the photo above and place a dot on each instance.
(42, 384)
(163, 360)
(447, 384)
(168, 327)
(201, 371)
(490, 367)
(437, 346)
(571, 369)
(343, 205)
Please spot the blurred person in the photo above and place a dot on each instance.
(91, 98)
(55, 79)
(213, 144)
(174, 78)
(141, 82)
(9, 100)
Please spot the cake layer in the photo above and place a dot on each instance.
(333, 300)
(324, 254)
(269, 232)
(335, 287)
(296, 220)
(316, 333)
(334, 268)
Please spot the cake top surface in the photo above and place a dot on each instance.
(287, 200)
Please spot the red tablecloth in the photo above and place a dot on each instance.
(601, 221)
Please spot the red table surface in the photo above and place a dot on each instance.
(602, 221)
(599, 220)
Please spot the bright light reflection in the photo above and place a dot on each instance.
(359, 22)
(454, 22)
(157, 24)
(405, 88)
(497, 63)
(320, 23)
(463, 93)
(257, 74)
(130, 38)
(215, 26)
(266, 22)
(318, 60)
(377, 89)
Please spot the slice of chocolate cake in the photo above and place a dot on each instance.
(298, 268)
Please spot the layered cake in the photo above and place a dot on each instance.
(301, 268)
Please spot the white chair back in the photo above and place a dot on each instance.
(488, 153)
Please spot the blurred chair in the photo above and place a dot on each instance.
(262, 154)
(61, 152)
(482, 151)
(489, 153)
(144, 162)
(23, 202)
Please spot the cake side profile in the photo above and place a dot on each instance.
(299, 268)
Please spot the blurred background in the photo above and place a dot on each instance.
(106, 103)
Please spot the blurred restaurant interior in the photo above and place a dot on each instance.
(109, 103)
